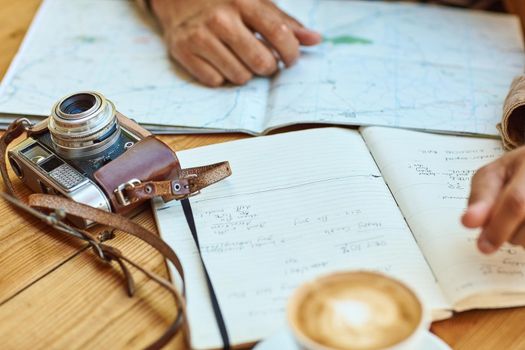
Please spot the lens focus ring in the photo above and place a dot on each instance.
(83, 124)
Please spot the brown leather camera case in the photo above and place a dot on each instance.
(148, 160)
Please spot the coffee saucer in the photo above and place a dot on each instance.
(283, 340)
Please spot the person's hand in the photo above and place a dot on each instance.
(216, 40)
(497, 202)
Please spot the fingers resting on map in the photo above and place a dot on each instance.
(231, 40)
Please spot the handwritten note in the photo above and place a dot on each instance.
(298, 205)
(429, 175)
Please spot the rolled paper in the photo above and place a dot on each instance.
(512, 126)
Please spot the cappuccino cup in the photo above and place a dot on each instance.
(357, 310)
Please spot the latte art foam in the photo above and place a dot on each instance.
(357, 313)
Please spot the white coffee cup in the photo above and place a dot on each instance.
(357, 310)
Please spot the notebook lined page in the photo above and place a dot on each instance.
(297, 205)
(429, 175)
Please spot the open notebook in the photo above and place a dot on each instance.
(305, 203)
(381, 63)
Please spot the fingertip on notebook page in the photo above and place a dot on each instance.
(486, 246)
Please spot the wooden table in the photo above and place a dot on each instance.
(55, 294)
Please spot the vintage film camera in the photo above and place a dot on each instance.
(92, 154)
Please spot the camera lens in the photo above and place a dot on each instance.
(83, 125)
(77, 104)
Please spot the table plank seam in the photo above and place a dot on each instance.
(53, 269)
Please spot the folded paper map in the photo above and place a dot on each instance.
(381, 63)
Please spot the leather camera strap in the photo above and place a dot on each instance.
(14, 130)
(40, 204)
(191, 181)
(63, 206)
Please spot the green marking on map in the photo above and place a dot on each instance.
(346, 40)
(86, 39)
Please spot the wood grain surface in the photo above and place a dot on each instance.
(54, 293)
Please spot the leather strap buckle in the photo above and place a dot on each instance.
(122, 199)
